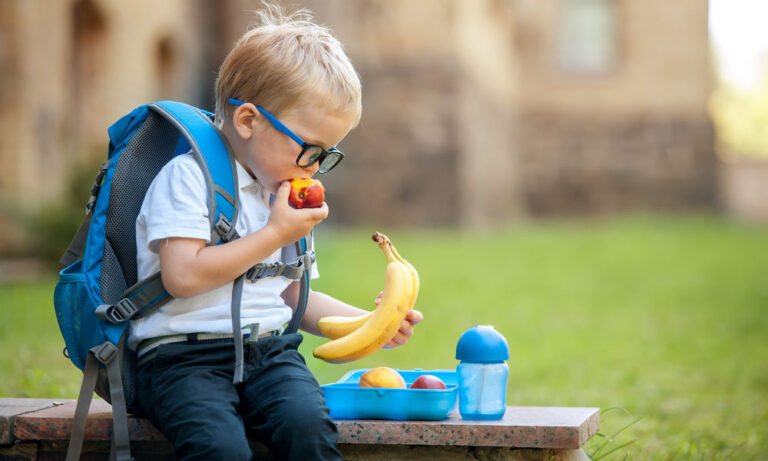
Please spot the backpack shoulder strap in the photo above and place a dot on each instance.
(215, 157)
(304, 265)
(77, 244)
(302, 248)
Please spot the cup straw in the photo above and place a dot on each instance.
(482, 387)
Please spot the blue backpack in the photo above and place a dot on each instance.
(98, 293)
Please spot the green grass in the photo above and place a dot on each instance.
(659, 321)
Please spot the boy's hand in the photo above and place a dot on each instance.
(291, 224)
(412, 318)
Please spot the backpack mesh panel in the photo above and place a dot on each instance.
(112, 283)
(150, 148)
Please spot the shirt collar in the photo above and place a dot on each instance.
(249, 184)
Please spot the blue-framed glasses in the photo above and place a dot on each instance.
(310, 153)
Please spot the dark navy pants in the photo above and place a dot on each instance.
(187, 392)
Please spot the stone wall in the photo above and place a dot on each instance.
(401, 163)
(634, 134)
(70, 68)
(590, 165)
(468, 119)
(743, 184)
(435, 142)
(524, 135)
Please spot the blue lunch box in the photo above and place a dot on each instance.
(348, 401)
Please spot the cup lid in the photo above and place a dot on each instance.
(482, 344)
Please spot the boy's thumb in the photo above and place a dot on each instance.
(284, 189)
(281, 195)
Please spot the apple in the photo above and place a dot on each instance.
(382, 377)
(428, 382)
(306, 193)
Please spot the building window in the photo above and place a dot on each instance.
(165, 65)
(587, 36)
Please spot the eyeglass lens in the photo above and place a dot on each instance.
(330, 161)
(310, 155)
(314, 153)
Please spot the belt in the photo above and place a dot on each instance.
(149, 345)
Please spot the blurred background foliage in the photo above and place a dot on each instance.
(48, 229)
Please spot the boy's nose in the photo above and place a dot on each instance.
(312, 169)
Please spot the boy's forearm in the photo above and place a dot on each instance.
(189, 267)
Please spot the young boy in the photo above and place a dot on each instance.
(287, 75)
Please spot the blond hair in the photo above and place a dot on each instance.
(283, 59)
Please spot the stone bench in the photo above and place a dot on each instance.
(38, 429)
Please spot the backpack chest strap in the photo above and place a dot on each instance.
(291, 271)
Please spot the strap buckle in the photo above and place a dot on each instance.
(225, 229)
(105, 352)
(96, 187)
(117, 313)
(307, 259)
(292, 271)
(262, 270)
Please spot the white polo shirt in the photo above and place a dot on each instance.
(175, 206)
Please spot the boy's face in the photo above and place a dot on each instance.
(270, 155)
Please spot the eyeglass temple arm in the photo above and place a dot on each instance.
(280, 127)
(275, 122)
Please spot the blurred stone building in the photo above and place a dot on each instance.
(69, 68)
(475, 111)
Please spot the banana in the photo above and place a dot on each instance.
(384, 322)
(337, 326)
(412, 270)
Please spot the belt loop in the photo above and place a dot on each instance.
(253, 337)
(191, 337)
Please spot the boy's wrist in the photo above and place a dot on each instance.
(274, 235)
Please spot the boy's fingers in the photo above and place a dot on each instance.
(403, 334)
(414, 316)
(283, 191)
(406, 329)
(319, 213)
(398, 340)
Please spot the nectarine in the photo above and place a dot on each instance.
(306, 193)
(428, 382)
(382, 377)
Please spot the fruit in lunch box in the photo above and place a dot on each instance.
(306, 193)
(338, 326)
(382, 377)
(383, 323)
(427, 382)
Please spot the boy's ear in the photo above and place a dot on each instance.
(244, 120)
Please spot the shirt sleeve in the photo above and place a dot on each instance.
(175, 204)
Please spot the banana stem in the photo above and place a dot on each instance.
(380, 238)
(385, 244)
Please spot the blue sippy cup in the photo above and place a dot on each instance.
(482, 373)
